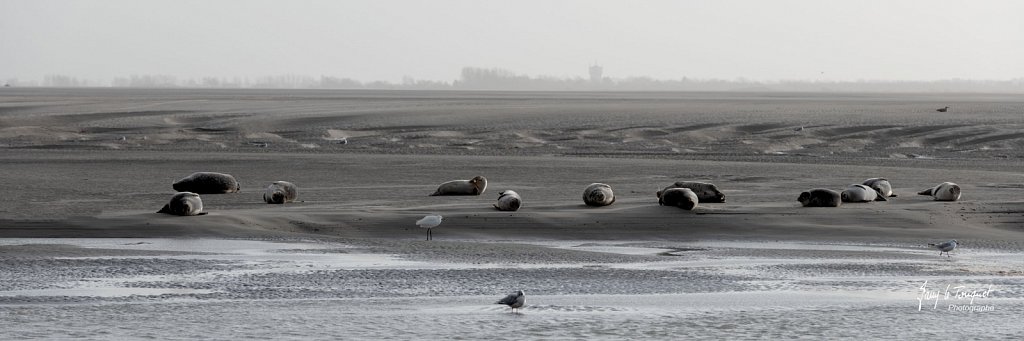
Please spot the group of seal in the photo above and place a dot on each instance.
(188, 203)
(874, 189)
(508, 200)
(683, 194)
(687, 194)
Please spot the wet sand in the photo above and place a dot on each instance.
(97, 164)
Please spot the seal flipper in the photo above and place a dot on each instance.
(879, 196)
(166, 209)
(202, 213)
(926, 192)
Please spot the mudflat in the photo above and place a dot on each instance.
(83, 168)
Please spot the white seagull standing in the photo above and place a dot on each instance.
(514, 300)
(945, 247)
(429, 222)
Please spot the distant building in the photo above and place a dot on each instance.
(596, 72)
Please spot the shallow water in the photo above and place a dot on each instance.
(233, 289)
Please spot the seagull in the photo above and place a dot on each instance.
(429, 222)
(942, 109)
(945, 247)
(514, 300)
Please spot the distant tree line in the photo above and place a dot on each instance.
(474, 78)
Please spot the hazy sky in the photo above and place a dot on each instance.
(386, 40)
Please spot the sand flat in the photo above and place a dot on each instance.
(98, 164)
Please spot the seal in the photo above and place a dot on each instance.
(207, 183)
(280, 192)
(861, 193)
(946, 191)
(598, 194)
(820, 197)
(474, 186)
(184, 204)
(706, 192)
(881, 185)
(683, 198)
(508, 200)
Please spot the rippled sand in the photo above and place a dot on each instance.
(85, 256)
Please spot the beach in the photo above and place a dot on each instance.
(86, 256)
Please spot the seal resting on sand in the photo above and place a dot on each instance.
(683, 198)
(598, 194)
(705, 191)
(508, 200)
(881, 185)
(820, 197)
(207, 183)
(184, 204)
(861, 193)
(474, 186)
(280, 192)
(946, 191)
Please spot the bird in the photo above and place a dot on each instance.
(514, 300)
(942, 109)
(800, 128)
(945, 247)
(429, 222)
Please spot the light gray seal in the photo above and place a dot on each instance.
(820, 197)
(881, 185)
(946, 191)
(683, 198)
(207, 183)
(280, 192)
(861, 193)
(598, 194)
(184, 204)
(475, 186)
(508, 200)
(705, 191)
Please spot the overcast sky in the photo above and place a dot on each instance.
(386, 40)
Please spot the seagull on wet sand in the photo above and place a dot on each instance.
(514, 300)
(429, 222)
(945, 247)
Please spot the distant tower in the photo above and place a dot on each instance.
(596, 73)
